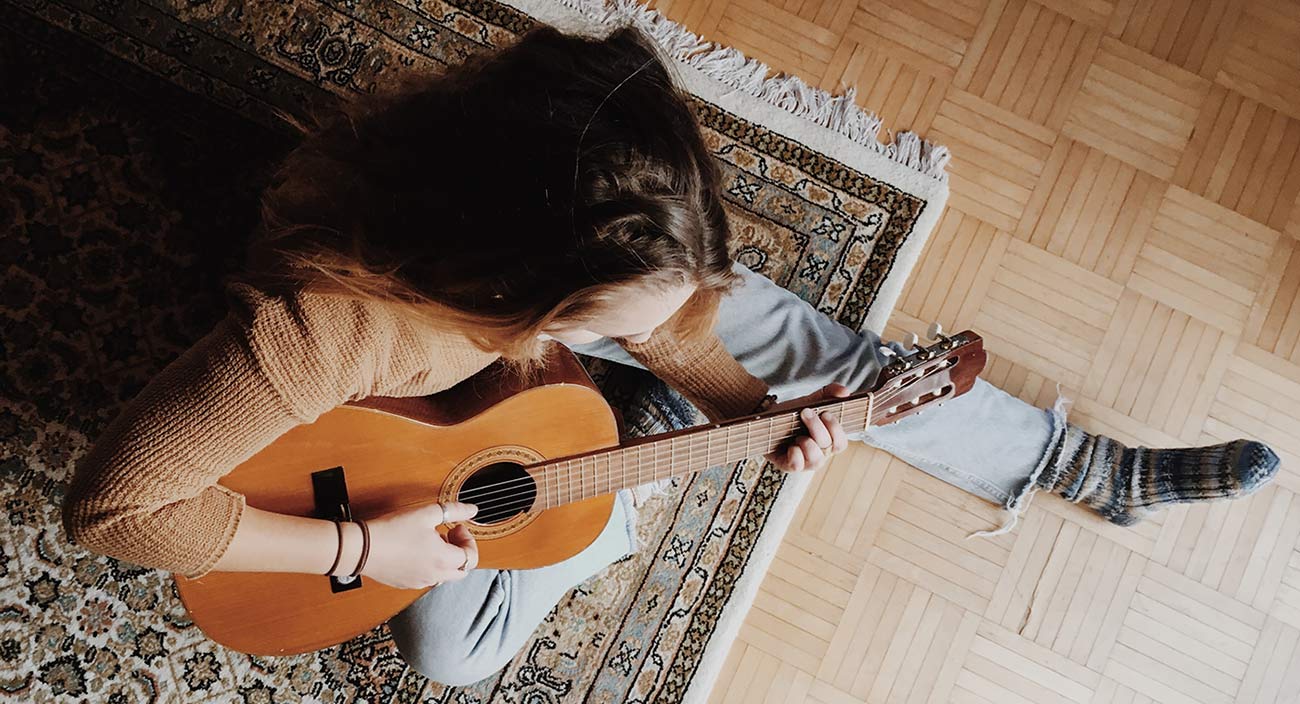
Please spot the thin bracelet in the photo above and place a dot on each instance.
(365, 547)
(334, 565)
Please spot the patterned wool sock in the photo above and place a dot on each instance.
(1125, 484)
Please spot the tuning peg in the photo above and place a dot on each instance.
(913, 341)
(935, 333)
(888, 351)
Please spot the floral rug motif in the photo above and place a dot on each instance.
(134, 138)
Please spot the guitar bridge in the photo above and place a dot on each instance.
(331, 492)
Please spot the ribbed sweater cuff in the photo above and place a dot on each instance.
(706, 373)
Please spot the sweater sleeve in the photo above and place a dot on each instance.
(146, 492)
(702, 370)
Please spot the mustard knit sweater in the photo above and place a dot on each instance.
(147, 491)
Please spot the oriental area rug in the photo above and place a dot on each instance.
(134, 139)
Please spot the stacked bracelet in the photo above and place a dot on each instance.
(338, 554)
(365, 548)
(338, 526)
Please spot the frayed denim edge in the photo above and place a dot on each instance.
(632, 500)
(626, 497)
(1020, 501)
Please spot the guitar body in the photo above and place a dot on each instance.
(396, 453)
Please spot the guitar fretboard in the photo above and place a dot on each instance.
(594, 474)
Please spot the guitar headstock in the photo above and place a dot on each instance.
(927, 375)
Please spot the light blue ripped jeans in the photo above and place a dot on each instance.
(985, 441)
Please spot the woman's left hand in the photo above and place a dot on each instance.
(825, 434)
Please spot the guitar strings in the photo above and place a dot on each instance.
(786, 426)
(693, 445)
(521, 500)
(518, 503)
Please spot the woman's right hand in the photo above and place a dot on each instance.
(407, 552)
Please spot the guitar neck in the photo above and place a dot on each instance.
(923, 376)
(683, 452)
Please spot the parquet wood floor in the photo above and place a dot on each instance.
(1123, 222)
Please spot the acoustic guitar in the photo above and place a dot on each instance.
(542, 462)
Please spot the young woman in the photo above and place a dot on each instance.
(556, 190)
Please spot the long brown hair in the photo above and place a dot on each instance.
(514, 190)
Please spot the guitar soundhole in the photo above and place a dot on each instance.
(501, 490)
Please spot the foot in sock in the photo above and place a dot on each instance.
(1126, 484)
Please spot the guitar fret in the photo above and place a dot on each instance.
(726, 450)
(672, 454)
(750, 441)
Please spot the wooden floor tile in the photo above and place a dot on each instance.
(1065, 588)
(1031, 62)
(960, 260)
(1136, 108)
(1204, 260)
(844, 508)
(1282, 597)
(998, 157)
(1236, 548)
(1245, 157)
(898, 646)
(1274, 673)
(700, 16)
(751, 25)
(1045, 313)
(1191, 34)
(1091, 209)
(1020, 381)
(1262, 61)
(930, 36)
(1004, 667)
(1182, 640)
(903, 96)
(1275, 320)
(1159, 366)
(936, 554)
(1112, 692)
(1096, 13)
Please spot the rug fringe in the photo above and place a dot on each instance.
(838, 113)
